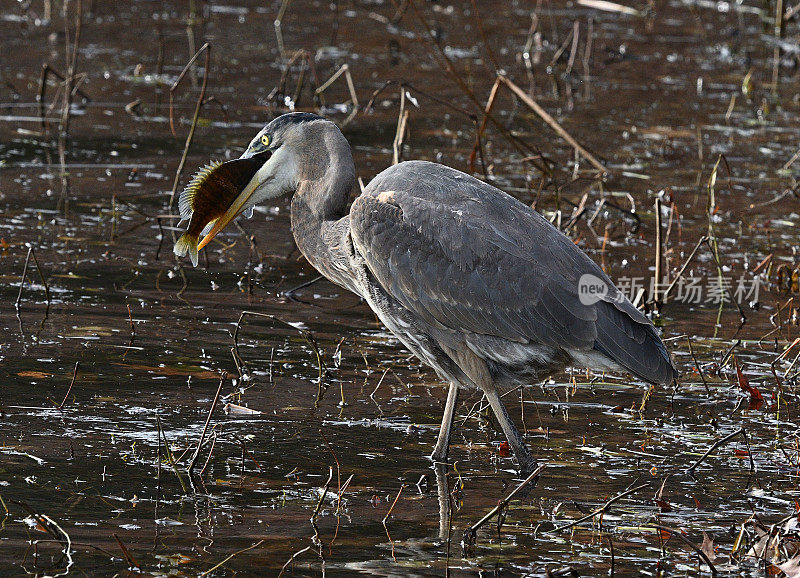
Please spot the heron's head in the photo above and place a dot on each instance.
(294, 147)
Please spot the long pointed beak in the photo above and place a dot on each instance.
(236, 209)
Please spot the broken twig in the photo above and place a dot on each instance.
(469, 534)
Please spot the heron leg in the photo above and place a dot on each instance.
(443, 441)
(443, 493)
(526, 461)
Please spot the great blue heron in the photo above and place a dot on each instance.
(475, 283)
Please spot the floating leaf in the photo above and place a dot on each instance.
(34, 374)
(756, 399)
(665, 507)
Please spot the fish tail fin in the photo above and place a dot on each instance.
(187, 245)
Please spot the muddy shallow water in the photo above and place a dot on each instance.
(657, 97)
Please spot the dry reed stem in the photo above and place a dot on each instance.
(482, 33)
(715, 445)
(41, 96)
(448, 66)
(130, 318)
(469, 534)
(32, 253)
(211, 453)
(386, 517)
(776, 51)
(53, 528)
(678, 534)
(702, 240)
(527, 49)
(552, 123)
(697, 366)
(47, 71)
(447, 104)
(561, 49)
(599, 510)
(402, 120)
(606, 6)
(170, 457)
(305, 333)
(316, 538)
(207, 49)
(22, 279)
(343, 69)
(229, 558)
(659, 248)
(291, 559)
(71, 383)
(193, 462)
(128, 556)
(487, 110)
(69, 77)
(576, 30)
(795, 156)
(277, 25)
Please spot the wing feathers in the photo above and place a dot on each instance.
(464, 255)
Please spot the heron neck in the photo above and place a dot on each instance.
(317, 210)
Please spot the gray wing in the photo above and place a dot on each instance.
(464, 255)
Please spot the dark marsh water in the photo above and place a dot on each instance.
(657, 97)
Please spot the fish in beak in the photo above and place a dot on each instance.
(216, 195)
(236, 208)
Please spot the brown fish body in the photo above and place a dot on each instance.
(208, 195)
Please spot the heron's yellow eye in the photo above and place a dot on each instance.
(265, 140)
